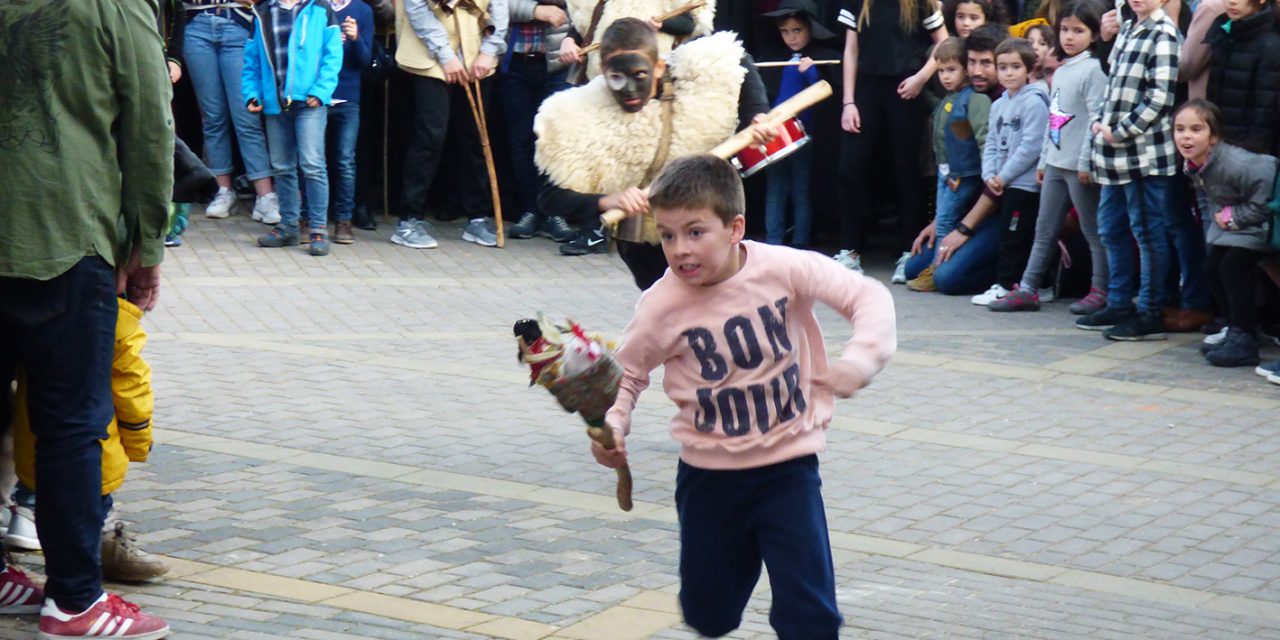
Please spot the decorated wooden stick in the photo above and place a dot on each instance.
(792, 63)
(692, 6)
(604, 435)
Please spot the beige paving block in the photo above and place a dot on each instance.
(411, 610)
(997, 369)
(1084, 364)
(513, 629)
(266, 452)
(873, 545)
(918, 359)
(962, 440)
(1244, 607)
(266, 584)
(990, 565)
(604, 502)
(863, 425)
(465, 482)
(1134, 350)
(621, 623)
(180, 568)
(1081, 455)
(654, 601)
(1105, 384)
(1222, 398)
(1209, 473)
(357, 466)
(1132, 588)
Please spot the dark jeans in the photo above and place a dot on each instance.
(731, 521)
(1131, 212)
(972, 267)
(343, 132)
(525, 84)
(905, 121)
(646, 261)
(1187, 234)
(1232, 273)
(1018, 212)
(441, 109)
(789, 184)
(61, 333)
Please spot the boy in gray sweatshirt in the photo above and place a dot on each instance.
(1015, 135)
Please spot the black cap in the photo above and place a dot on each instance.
(807, 7)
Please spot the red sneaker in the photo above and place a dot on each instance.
(18, 595)
(110, 617)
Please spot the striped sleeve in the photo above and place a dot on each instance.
(848, 15)
(933, 16)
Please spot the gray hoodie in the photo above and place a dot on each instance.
(1244, 181)
(1015, 134)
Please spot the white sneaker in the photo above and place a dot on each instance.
(849, 260)
(1046, 295)
(1217, 338)
(990, 295)
(22, 530)
(221, 205)
(900, 270)
(267, 209)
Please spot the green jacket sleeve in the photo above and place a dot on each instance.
(979, 114)
(144, 127)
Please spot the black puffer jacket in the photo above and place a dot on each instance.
(1244, 80)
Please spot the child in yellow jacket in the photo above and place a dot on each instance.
(128, 440)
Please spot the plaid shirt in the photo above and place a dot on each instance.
(281, 27)
(528, 37)
(1138, 104)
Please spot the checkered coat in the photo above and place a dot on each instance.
(1139, 103)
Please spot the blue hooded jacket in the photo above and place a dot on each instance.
(315, 58)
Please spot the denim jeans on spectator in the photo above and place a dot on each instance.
(1129, 212)
(951, 207)
(296, 139)
(789, 184)
(214, 53)
(61, 334)
(1187, 235)
(344, 131)
(525, 84)
(972, 267)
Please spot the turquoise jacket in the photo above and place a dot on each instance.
(315, 58)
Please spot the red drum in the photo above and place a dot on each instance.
(751, 160)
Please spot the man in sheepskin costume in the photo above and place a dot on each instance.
(591, 18)
(599, 143)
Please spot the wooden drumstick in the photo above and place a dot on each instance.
(789, 108)
(792, 63)
(692, 6)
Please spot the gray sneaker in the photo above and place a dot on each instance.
(411, 233)
(481, 232)
(526, 227)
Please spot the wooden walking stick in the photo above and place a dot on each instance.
(688, 8)
(477, 112)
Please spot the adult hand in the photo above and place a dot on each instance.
(570, 53)
(631, 201)
(612, 458)
(950, 245)
(1085, 177)
(175, 72)
(350, 30)
(483, 66)
(927, 237)
(850, 119)
(910, 88)
(1110, 25)
(141, 284)
(313, 102)
(805, 64)
(842, 379)
(550, 14)
(454, 72)
(760, 134)
(254, 107)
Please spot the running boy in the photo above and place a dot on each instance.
(733, 323)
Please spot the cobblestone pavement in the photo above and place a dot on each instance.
(347, 448)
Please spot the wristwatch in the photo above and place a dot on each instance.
(964, 229)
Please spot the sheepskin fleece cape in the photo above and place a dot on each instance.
(580, 15)
(587, 143)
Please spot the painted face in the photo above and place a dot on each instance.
(969, 16)
(1012, 72)
(1193, 136)
(1237, 9)
(1074, 36)
(795, 33)
(700, 249)
(982, 70)
(630, 76)
(951, 75)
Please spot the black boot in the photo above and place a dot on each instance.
(1239, 349)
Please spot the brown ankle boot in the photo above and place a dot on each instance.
(342, 234)
(123, 561)
(304, 231)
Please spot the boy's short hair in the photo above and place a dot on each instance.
(950, 49)
(629, 34)
(700, 181)
(986, 38)
(1021, 47)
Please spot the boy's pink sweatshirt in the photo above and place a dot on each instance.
(740, 355)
